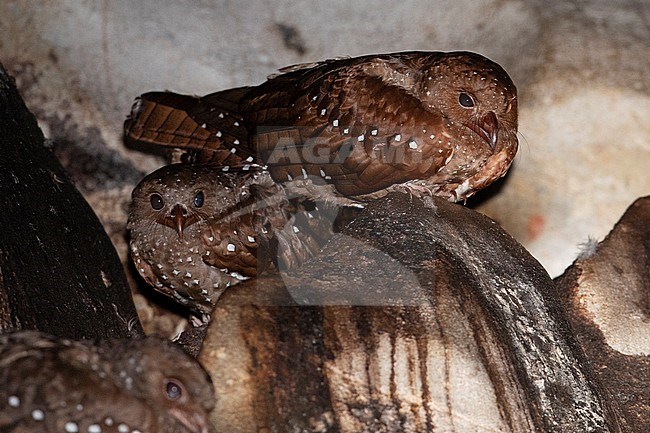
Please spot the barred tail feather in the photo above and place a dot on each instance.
(212, 134)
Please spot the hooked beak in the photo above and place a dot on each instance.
(196, 422)
(179, 216)
(178, 220)
(487, 128)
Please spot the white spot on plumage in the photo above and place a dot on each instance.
(108, 421)
(71, 427)
(374, 132)
(218, 134)
(176, 272)
(188, 275)
(295, 229)
(289, 177)
(322, 173)
(233, 150)
(335, 122)
(246, 167)
(249, 159)
(123, 428)
(231, 247)
(189, 259)
(195, 282)
(38, 415)
(462, 189)
(220, 115)
(346, 130)
(361, 137)
(211, 238)
(236, 123)
(398, 137)
(203, 125)
(238, 276)
(251, 239)
(13, 401)
(304, 173)
(94, 428)
(323, 112)
(413, 145)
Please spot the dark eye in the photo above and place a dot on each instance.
(157, 201)
(465, 100)
(173, 390)
(198, 199)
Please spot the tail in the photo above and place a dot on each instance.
(208, 128)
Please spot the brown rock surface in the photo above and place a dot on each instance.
(606, 295)
(414, 318)
(59, 272)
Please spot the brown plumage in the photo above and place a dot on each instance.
(126, 386)
(196, 230)
(338, 131)
(432, 122)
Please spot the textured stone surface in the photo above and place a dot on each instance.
(606, 295)
(410, 320)
(59, 272)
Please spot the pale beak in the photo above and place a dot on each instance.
(487, 128)
(195, 422)
(179, 219)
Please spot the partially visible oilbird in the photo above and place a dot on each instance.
(54, 385)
